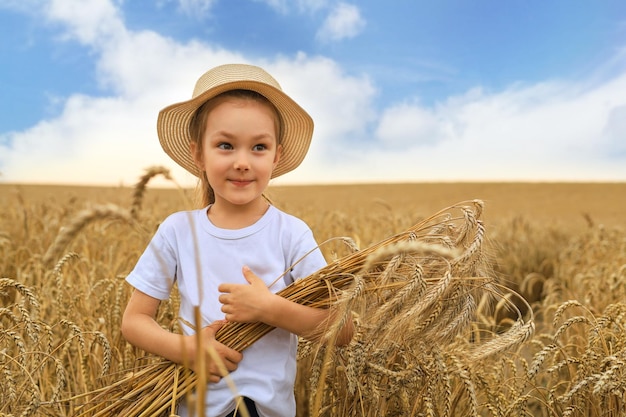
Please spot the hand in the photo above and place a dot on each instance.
(246, 303)
(228, 357)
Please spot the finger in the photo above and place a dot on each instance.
(228, 355)
(222, 369)
(223, 288)
(230, 366)
(225, 309)
(250, 276)
(233, 356)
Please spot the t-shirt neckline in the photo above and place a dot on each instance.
(221, 233)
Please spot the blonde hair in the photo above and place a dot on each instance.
(197, 127)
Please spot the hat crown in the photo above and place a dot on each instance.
(232, 73)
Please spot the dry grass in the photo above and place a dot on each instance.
(440, 329)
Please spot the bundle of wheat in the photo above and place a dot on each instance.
(416, 288)
(417, 339)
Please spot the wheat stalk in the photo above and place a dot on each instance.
(140, 187)
(82, 219)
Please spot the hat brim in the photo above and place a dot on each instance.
(296, 126)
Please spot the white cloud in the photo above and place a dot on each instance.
(341, 106)
(551, 131)
(89, 21)
(406, 125)
(343, 21)
(548, 131)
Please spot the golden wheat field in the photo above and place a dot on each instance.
(469, 299)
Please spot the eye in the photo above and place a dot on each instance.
(225, 146)
(260, 147)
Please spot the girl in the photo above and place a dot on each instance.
(237, 132)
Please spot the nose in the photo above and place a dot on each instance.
(242, 162)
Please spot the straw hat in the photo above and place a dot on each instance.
(296, 124)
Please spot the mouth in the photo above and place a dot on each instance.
(240, 182)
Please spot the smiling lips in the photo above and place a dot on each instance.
(240, 183)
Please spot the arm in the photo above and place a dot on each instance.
(140, 328)
(255, 302)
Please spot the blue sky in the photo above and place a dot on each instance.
(400, 91)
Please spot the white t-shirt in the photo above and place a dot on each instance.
(189, 250)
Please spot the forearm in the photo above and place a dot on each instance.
(145, 333)
(308, 322)
(140, 328)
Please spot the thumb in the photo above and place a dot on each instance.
(249, 275)
(215, 326)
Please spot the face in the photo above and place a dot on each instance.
(239, 152)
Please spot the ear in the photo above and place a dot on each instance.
(196, 154)
(279, 153)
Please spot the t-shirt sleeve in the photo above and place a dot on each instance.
(312, 262)
(155, 271)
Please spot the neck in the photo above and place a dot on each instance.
(232, 216)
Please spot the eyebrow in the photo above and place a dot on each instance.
(260, 136)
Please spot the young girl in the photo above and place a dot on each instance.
(237, 132)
